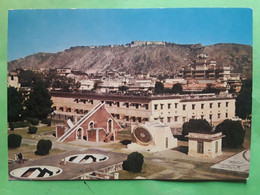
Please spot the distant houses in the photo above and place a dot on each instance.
(130, 98)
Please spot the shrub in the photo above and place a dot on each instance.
(43, 147)
(11, 125)
(33, 121)
(49, 122)
(20, 124)
(32, 130)
(134, 162)
(196, 125)
(234, 133)
(46, 121)
(126, 142)
(14, 141)
(126, 165)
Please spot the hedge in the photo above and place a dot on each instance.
(46, 121)
(32, 130)
(33, 121)
(14, 141)
(43, 147)
(134, 162)
(19, 124)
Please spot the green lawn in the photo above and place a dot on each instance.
(24, 131)
(28, 152)
(124, 134)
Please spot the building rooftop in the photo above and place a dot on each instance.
(142, 99)
(205, 136)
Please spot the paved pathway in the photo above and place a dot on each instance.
(72, 170)
(59, 145)
(68, 146)
(238, 162)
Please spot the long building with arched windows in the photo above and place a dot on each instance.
(172, 110)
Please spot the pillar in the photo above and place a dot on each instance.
(116, 175)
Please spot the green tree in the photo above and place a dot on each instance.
(134, 162)
(196, 126)
(231, 90)
(234, 133)
(66, 87)
(159, 88)
(15, 104)
(28, 77)
(123, 88)
(244, 100)
(77, 85)
(177, 88)
(32, 130)
(43, 147)
(211, 89)
(39, 102)
(14, 141)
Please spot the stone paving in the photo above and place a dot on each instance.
(239, 163)
(72, 170)
(177, 164)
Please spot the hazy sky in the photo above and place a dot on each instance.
(33, 31)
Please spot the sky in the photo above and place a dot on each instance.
(33, 31)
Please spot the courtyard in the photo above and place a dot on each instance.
(172, 163)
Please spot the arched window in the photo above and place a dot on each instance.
(79, 133)
(91, 125)
(109, 125)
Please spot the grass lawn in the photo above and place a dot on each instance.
(28, 152)
(121, 135)
(148, 170)
(115, 147)
(23, 131)
(124, 134)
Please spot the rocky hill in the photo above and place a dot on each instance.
(156, 59)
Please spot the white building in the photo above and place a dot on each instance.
(151, 137)
(13, 80)
(172, 110)
(205, 144)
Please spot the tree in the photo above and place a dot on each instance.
(77, 85)
(15, 104)
(28, 77)
(177, 88)
(158, 88)
(39, 103)
(32, 130)
(234, 133)
(123, 88)
(14, 141)
(134, 162)
(197, 126)
(43, 147)
(244, 100)
(66, 87)
(211, 89)
(231, 90)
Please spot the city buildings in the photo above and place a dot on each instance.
(13, 80)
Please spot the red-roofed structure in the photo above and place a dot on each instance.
(97, 126)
